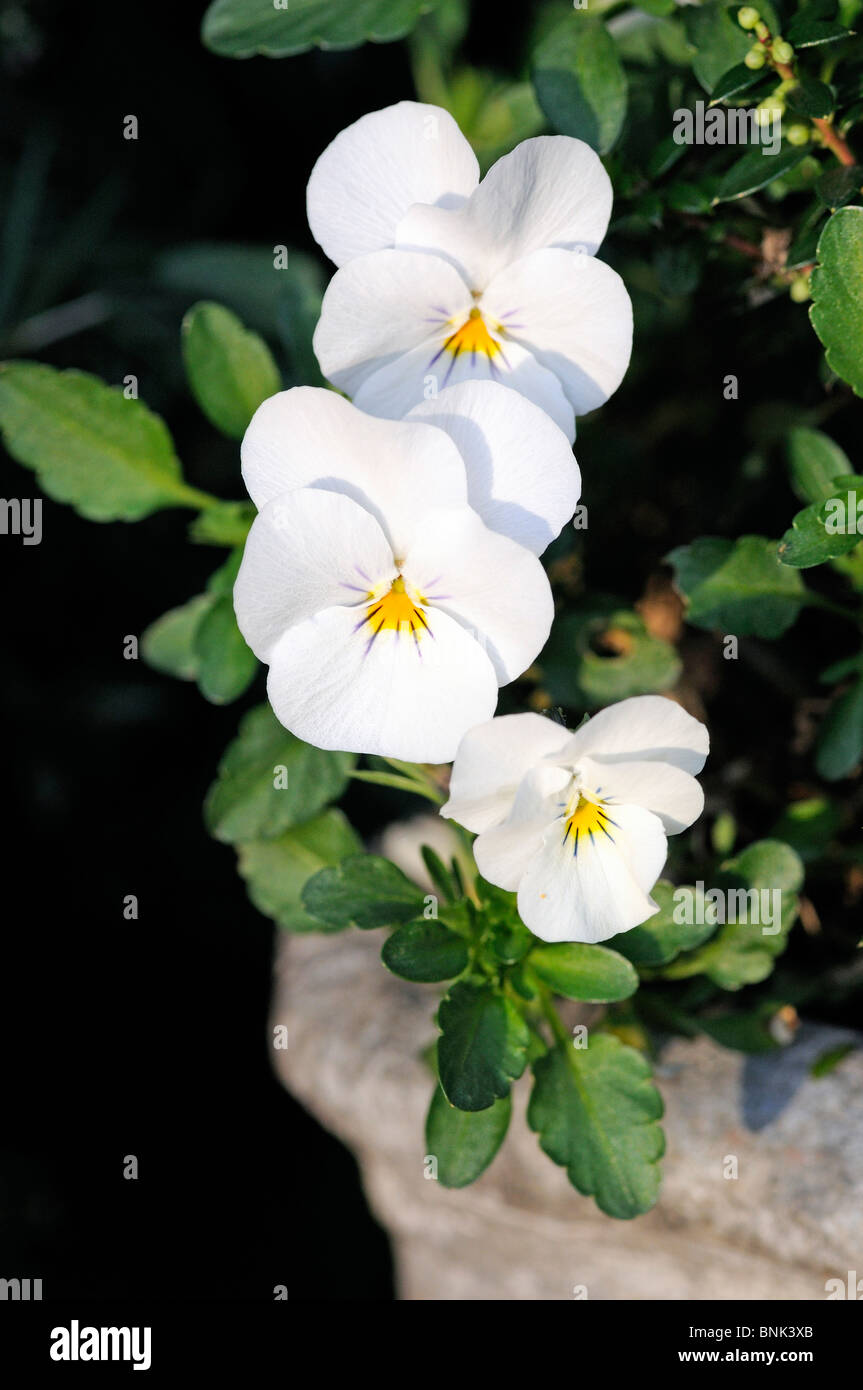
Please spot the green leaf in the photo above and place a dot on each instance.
(276, 871)
(230, 369)
(577, 971)
(679, 925)
(719, 41)
(736, 80)
(464, 1142)
(226, 666)
(248, 801)
(743, 952)
(112, 459)
(738, 586)
(425, 951)
(482, 1047)
(840, 186)
(756, 169)
(241, 28)
(826, 529)
(364, 891)
(840, 739)
(836, 282)
(605, 653)
(806, 31)
(580, 83)
(168, 644)
(228, 523)
(810, 97)
(815, 462)
(595, 1110)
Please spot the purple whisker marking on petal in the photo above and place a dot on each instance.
(436, 598)
(362, 574)
(575, 851)
(355, 588)
(455, 358)
(372, 638)
(515, 325)
(606, 832)
(505, 362)
(509, 313)
(439, 309)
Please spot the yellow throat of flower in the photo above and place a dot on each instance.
(473, 337)
(397, 611)
(585, 821)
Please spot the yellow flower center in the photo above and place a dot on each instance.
(586, 820)
(473, 337)
(397, 611)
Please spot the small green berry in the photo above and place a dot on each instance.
(747, 17)
(797, 134)
(799, 290)
(781, 52)
(761, 30)
(755, 58)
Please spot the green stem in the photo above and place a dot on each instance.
(828, 606)
(426, 68)
(553, 1019)
(405, 784)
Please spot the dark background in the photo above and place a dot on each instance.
(150, 1037)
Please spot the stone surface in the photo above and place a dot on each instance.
(792, 1219)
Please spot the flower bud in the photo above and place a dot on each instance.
(755, 58)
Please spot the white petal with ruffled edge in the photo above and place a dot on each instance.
(601, 888)
(573, 314)
(549, 191)
(489, 584)
(306, 551)
(645, 728)
(667, 791)
(310, 437)
(521, 476)
(371, 173)
(490, 763)
(504, 852)
(334, 687)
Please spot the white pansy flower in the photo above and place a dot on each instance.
(445, 278)
(576, 824)
(388, 611)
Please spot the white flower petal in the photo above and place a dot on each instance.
(667, 791)
(522, 478)
(504, 852)
(573, 314)
(599, 891)
(488, 583)
(646, 727)
(550, 191)
(380, 307)
(395, 696)
(407, 381)
(310, 437)
(306, 551)
(491, 761)
(365, 181)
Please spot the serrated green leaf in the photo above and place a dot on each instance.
(678, 926)
(838, 187)
(229, 368)
(738, 586)
(806, 31)
(425, 951)
(719, 41)
(276, 871)
(826, 529)
(365, 891)
(248, 801)
(168, 644)
(836, 283)
(482, 1047)
(593, 974)
(595, 1110)
(110, 458)
(580, 82)
(241, 28)
(464, 1142)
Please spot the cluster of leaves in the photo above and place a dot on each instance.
(614, 76)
